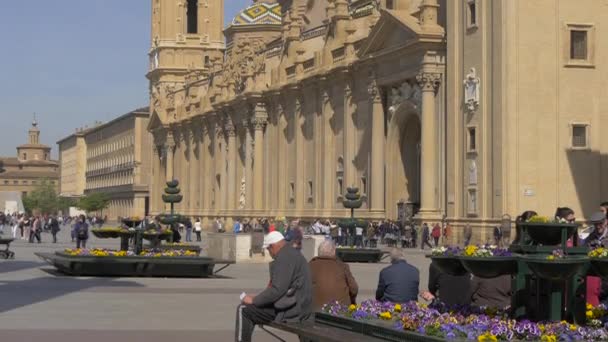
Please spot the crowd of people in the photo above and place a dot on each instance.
(297, 289)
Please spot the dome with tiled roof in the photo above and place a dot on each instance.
(260, 13)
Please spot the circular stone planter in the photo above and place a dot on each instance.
(490, 267)
(359, 254)
(449, 264)
(131, 223)
(548, 234)
(107, 234)
(558, 269)
(599, 267)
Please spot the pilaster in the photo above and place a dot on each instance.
(429, 81)
(378, 141)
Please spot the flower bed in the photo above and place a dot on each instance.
(415, 321)
(100, 252)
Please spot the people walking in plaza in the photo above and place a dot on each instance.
(54, 226)
(467, 234)
(27, 225)
(3, 222)
(425, 237)
(497, 235)
(359, 236)
(398, 283)
(35, 230)
(15, 225)
(198, 229)
(331, 278)
(188, 231)
(436, 233)
(81, 232)
(288, 297)
(598, 237)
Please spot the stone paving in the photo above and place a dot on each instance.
(36, 303)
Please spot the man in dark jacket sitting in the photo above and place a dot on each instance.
(398, 282)
(288, 297)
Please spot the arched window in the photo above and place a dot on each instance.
(192, 16)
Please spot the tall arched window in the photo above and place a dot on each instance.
(192, 16)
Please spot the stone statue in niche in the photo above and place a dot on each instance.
(472, 173)
(471, 91)
(404, 92)
(242, 196)
(472, 201)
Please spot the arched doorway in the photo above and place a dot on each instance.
(403, 158)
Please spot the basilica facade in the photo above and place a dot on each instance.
(457, 110)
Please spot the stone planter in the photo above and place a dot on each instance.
(131, 266)
(111, 234)
(558, 269)
(449, 265)
(490, 267)
(359, 254)
(548, 234)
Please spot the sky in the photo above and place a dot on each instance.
(72, 62)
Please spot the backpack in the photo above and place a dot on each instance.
(81, 231)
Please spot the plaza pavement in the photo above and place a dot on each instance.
(38, 304)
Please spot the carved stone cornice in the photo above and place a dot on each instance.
(230, 128)
(259, 123)
(429, 81)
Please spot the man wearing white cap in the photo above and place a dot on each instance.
(288, 297)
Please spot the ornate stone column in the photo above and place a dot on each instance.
(230, 182)
(194, 166)
(259, 120)
(169, 150)
(429, 83)
(377, 166)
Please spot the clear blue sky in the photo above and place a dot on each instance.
(72, 62)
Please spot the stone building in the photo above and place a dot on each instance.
(113, 158)
(73, 164)
(465, 109)
(22, 174)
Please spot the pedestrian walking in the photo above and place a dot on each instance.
(198, 229)
(436, 233)
(54, 225)
(188, 231)
(81, 231)
(425, 236)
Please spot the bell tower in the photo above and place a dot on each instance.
(186, 36)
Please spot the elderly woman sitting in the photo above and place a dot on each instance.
(331, 278)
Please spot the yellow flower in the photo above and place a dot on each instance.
(541, 327)
(470, 250)
(589, 314)
(397, 307)
(551, 257)
(487, 337)
(386, 315)
(572, 327)
(352, 307)
(548, 338)
(589, 306)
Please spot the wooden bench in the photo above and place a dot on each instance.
(313, 332)
(6, 253)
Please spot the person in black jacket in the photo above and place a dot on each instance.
(446, 288)
(288, 297)
(54, 227)
(398, 282)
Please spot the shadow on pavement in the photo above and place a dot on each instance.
(13, 266)
(20, 293)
